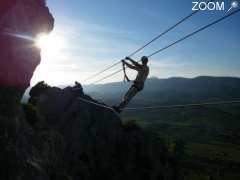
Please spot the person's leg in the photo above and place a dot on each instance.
(128, 96)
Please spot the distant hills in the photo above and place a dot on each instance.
(171, 90)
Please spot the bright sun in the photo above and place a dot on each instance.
(50, 45)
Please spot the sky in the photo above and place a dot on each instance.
(91, 35)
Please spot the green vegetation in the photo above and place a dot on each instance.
(129, 124)
(204, 141)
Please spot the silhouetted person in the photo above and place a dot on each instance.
(138, 83)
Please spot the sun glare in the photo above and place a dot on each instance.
(52, 48)
(50, 45)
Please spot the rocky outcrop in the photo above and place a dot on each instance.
(20, 22)
(63, 136)
(91, 142)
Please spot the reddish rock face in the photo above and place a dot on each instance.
(18, 56)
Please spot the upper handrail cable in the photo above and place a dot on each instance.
(148, 43)
(175, 42)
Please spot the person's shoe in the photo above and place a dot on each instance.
(117, 109)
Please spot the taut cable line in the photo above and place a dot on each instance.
(148, 43)
(175, 42)
(164, 106)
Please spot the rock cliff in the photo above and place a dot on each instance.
(20, 22)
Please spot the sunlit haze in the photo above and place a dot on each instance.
(91, 35)
(50, 45)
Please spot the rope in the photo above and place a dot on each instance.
(108, 76)
(176, 42)
(193, 33)
(125, 78)
(148, 43)
(164, 106)
(94, 103)
(183, 105)
(163, 33)
(96, 74)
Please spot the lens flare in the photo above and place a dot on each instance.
(50, 45)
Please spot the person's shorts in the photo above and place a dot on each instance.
(138, 85)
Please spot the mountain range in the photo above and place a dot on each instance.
(171, 91)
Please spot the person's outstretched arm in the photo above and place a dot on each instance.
(129, 65)
(135, 63)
